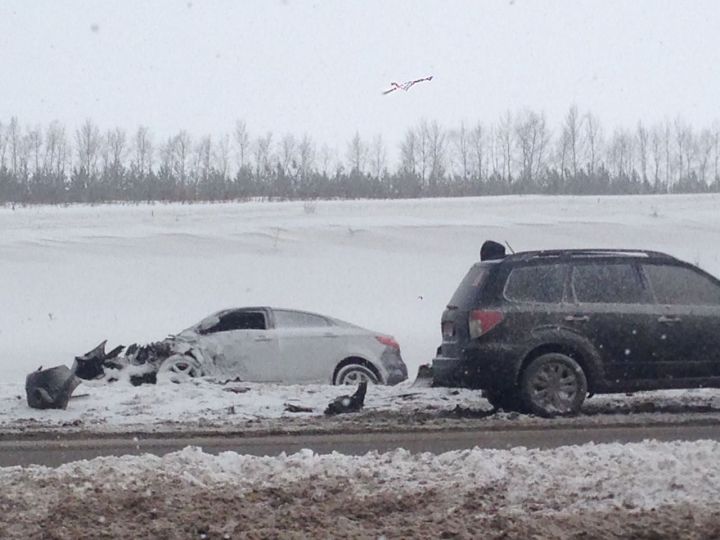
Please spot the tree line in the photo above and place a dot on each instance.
(518, 154)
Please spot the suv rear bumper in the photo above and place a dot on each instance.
(489, 366)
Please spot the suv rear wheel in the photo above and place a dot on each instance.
(553, 384)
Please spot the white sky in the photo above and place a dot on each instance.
(319, 67)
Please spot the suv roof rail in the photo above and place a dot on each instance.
(595, 252)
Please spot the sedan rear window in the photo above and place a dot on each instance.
(298, 319)
(538, 283)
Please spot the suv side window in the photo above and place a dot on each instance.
(537, 283)
(608, 283)
(681, 285)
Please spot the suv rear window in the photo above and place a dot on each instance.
(467, 292)
(608, 283)
(536, 283)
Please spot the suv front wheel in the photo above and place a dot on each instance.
(553, 384)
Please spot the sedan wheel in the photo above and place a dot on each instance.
(179, 368)
(355, 374)
(553, 384)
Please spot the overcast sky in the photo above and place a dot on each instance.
(319, 67)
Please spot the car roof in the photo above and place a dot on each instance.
(592, 253)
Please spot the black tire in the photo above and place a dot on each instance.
(553, 384)
(507, 400)
(356, 373)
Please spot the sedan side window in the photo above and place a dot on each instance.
(680, 285)
(537, 283)
(608, 283)
(238, 320)
(297, 319)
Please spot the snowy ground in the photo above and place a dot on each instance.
(74, 276)
(644, 490)
(259, 408)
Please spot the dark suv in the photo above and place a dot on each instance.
(539, 330)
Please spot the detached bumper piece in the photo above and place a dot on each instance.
(50, 388)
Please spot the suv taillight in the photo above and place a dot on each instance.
(481, 322)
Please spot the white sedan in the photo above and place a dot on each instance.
(263, 344)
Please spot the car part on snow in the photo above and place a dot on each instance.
(144, 361)
(424, 378)
(289, 407)
(50, 388)
(346, 404)
(91, 365)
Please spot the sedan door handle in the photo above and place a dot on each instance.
(577, 318)
(668, 320)
(330, 335)
(263, 338)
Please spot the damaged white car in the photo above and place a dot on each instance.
(258, 344)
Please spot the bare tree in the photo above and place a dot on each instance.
(286, 153)
(683, 145)
(408, 152)
(87, 140)
(221, 156)
(143, 151)
(505, 139)
(422, 150)
(263, 155)
(378, 157)
(656, 137)
(203, 159)
(14, 143)
(242, 143)
(181, 148)
(115, 148)
(357, 154)
(642, 139)
(306, 155)
(460, 155)
(705, 146)
(620, 153)
(477, 144)
(3, 146)
(34, 143)
(532, 139)
(593, 139)
(572, 138)
(436, 152)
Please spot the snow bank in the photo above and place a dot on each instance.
(609, 490)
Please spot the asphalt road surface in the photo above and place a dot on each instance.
(55, 451)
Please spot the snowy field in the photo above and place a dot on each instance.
(74, 276)
(643, 490)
